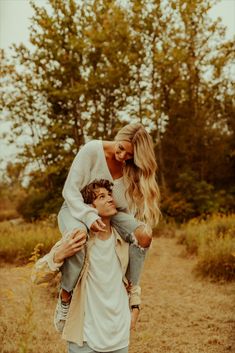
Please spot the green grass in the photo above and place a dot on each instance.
(213, 241)
(17, 242)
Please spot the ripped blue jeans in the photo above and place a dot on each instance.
(124, 223)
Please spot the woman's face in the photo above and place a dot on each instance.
(123, 151)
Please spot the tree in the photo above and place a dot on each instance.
(98, 64)
(70, 86)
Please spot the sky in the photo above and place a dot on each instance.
(15, 19)
(14, 28)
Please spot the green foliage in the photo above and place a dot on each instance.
(194, 198)
(175, 206)
(213, 240)
(198, 193)
(38, 204)
(97, 64)
(11, 192)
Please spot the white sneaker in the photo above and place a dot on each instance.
(61, 312)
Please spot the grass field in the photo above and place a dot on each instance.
(181, 312)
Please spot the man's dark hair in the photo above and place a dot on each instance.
(89, 191)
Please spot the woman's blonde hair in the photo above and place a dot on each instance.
(139, 174)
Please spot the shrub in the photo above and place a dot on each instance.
(192, 197)
(175, 207)
(166, 229)
(8, 214)
(37, 205)
(213, 240)
(216, 258)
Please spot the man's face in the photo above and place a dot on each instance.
(104, 203)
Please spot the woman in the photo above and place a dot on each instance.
(129, 163)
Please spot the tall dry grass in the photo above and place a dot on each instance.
(24, 322)
(213, 241)
(17, 242)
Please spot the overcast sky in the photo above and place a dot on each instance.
(15, 20)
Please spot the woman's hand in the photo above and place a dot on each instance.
(70, 246)
(128, 287)
(98, 226)
(134, 317)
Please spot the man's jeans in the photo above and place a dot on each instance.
(74, 348)
(125, 225)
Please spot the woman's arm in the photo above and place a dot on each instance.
(79, 176)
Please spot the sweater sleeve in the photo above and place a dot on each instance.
(78, 177)
(45, 269)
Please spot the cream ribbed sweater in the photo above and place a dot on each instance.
(89, 164)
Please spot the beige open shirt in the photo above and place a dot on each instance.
(45, 269)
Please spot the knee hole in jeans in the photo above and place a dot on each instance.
(143, 236)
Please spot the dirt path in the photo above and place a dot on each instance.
(181, 314)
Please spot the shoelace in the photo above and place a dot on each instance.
(63, 311)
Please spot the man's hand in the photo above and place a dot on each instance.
(98, 226)
(70, 246)
(134, 317)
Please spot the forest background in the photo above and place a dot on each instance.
(97, 65)
(92, 67)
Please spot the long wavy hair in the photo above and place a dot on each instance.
(139, 173)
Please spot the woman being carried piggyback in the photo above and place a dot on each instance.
(129, 163)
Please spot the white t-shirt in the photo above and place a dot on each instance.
(107, 313)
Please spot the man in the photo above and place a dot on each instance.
(99, 317)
